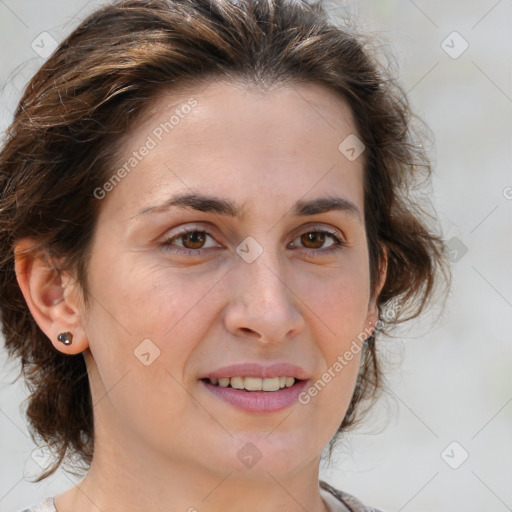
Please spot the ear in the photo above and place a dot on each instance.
(373, 311)
(53, 297)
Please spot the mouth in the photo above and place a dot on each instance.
(253, 383)
(256, 395)
(256, 388)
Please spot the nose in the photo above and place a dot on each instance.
(262, 302)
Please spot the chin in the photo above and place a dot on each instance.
(257, 454)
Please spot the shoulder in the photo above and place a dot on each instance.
(47, 505)
(351, 503)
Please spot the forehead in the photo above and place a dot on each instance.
(264, 146)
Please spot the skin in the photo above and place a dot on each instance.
(161, 439)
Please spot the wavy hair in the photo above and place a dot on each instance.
(76, 109)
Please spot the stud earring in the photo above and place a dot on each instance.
(65, 337)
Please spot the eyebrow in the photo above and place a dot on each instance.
(301, 208)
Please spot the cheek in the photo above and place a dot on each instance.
(338, 297)
(337, 307)
(169, 307)
(328, 396)
(330, 393)
(142, 329)
(144, 299)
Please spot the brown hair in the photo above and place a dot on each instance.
(79, 105)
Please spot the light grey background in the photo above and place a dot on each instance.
(454, 383)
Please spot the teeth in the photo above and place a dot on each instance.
(255, 383)
(236, 382)
(269, 384)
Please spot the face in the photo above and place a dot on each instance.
(255, 269)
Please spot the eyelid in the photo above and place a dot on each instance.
(315, 226)
(339, 238)
(189, 228)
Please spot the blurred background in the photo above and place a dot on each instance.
(441, 439)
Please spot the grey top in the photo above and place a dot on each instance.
(47, 505)
(337, 501)
(346, 502)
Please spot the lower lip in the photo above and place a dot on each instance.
(258, 401)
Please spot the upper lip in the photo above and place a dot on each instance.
(258, 370)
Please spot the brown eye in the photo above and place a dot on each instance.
(316, 238)
(312, 241)
(193, 239)
(193, 242)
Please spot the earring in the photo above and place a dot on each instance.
(65, 337)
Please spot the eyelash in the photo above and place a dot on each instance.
(339, 242)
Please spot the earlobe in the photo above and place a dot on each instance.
(52, 298)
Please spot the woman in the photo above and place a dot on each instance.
(204, 209)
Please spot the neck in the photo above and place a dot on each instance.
(140, 489)
(133, 481)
